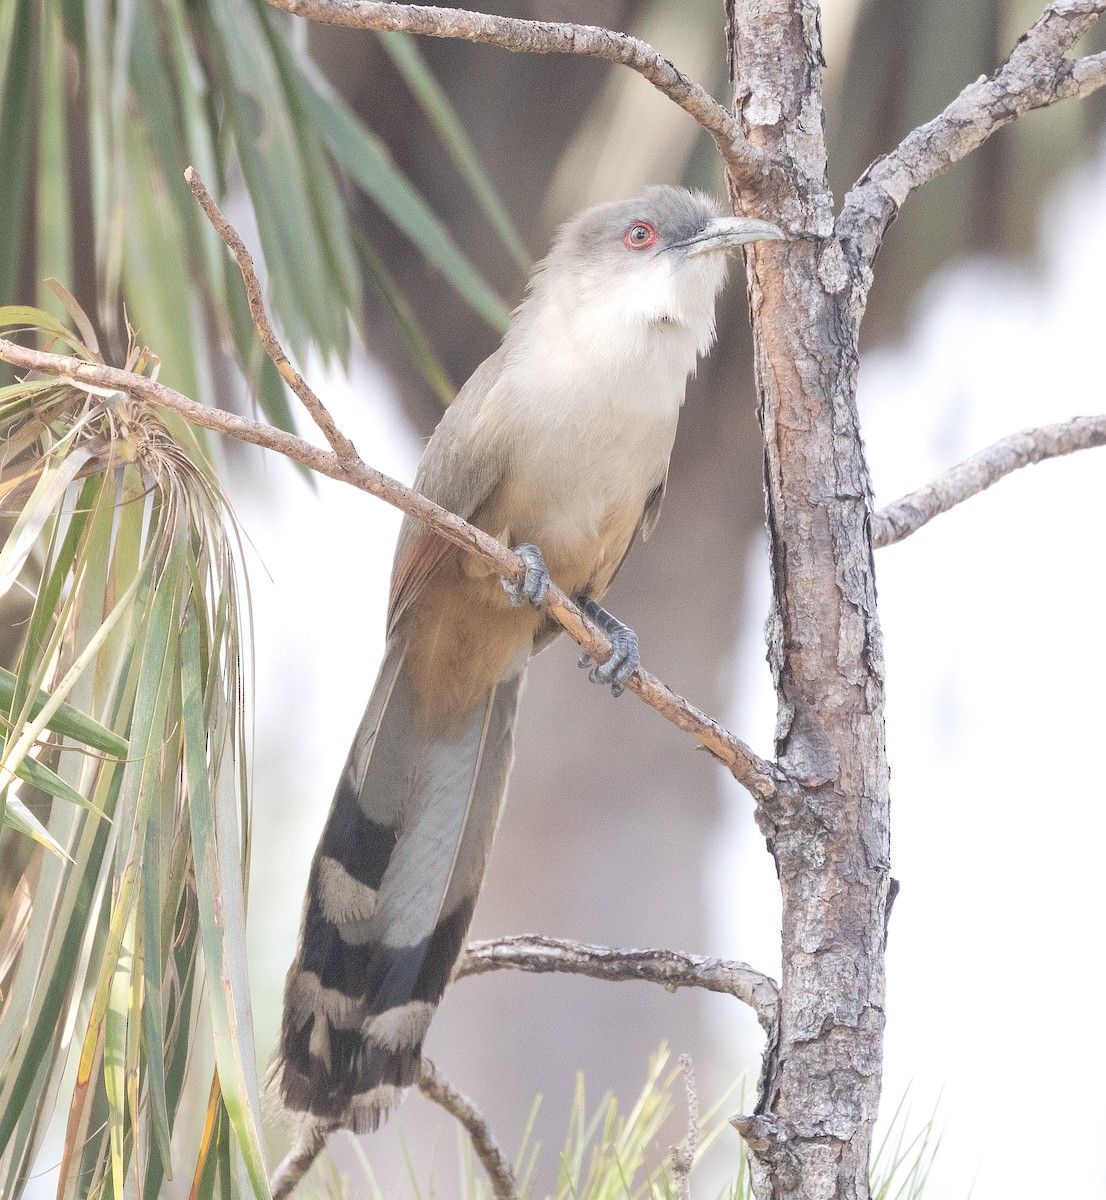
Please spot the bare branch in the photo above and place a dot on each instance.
(434, 1087)
(545, 37)
(966, 479)
(683, 1160)
(1034, 76)
(493, 1160)
(761, 778)
(339, 443)
(669, 968)
(298, 1161)
(756, 774)
(312, 1138)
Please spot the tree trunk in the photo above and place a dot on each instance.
(828, 833)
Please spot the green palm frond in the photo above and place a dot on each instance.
(904, 1157)
(622, 1156)
(225, 85)
(405, 55)
(129, 691)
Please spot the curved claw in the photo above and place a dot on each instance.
(532, 588)
(623, 662)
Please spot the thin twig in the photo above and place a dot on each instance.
(545, 37)
(492, 1158)
(683, 1160)
(670, 968)
(973, 475)
(339, 443)
(1035, 75)
(756, 774)
(298, 1161)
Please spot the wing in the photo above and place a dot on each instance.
(653, 505)
(460, 468)
(549, 630)
(650, 514)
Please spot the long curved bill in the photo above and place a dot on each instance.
(721, 233)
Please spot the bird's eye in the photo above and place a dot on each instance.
(639, 235)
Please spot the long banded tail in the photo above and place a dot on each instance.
(392, 888)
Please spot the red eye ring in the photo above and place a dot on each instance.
(640, 235)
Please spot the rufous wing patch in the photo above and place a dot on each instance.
(419, 563)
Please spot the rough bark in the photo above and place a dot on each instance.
(825, 810)
(828, 833)
(827, 826)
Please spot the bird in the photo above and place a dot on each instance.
(558, 445)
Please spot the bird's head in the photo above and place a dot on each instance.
(656, 260)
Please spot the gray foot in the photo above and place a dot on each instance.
(624, 661)
(532, 589)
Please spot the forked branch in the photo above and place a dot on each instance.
(462, 1109)
(756, 774)
(318, 412)
(312, 1138)
(1036, 74)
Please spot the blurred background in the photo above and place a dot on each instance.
(985, 317)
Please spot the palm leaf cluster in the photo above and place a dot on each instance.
(124, 760)
(104, 106)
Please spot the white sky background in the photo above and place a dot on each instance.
(996, 722)
(996, 657)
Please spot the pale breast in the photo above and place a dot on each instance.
(589, 439)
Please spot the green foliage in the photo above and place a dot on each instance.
(224, 85)
(435, 104)
(902, 1160)
(607, 1154)
(124, 850)
(610, 1155)
(124, 758)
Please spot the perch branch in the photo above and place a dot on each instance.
(669, 968)
(966, 479)
(1035, 75)
(544, 37)
(754, 775)
(758, 775)
(493, 1160)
